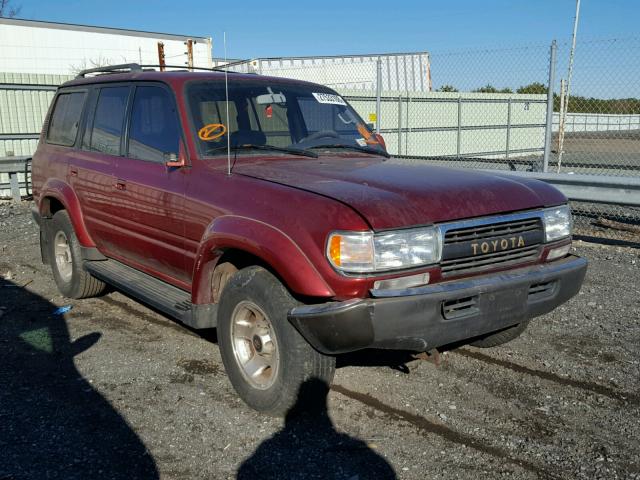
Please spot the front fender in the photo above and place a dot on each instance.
(264, 241)
(62, 192)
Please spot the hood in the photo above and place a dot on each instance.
(392, 195)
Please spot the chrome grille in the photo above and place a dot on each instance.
(493, 230)
(460, 242)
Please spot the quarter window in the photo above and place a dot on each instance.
(63, 125)
(155, 130)
(109, 120)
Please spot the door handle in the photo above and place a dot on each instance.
(121, 185)
(73, 172)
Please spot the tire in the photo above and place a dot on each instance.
(267, 362)
(501, 336)
(72, 279)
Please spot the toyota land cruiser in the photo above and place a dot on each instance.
(271, 211)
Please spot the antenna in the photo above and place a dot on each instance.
(226, 96)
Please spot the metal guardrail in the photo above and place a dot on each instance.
(590, 188)
(584, 188)
(13, 166)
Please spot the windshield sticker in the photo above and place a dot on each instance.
(329, 98)
(369, 137)
(211, 131)
(361, 141)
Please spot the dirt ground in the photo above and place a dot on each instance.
(112, 389)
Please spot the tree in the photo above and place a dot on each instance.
(8, 10)
(447, 88)
(488, 88)
(93, 63)
(533, 88)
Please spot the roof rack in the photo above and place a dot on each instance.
(136, 67)
(131, 67)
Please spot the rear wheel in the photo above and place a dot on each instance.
(500, 337)
(265, 357)
(65, 257)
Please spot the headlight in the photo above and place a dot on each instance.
(557, 223)
(362, 252)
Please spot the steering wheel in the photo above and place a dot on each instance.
(320, 134)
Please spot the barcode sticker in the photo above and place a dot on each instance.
(329, 98)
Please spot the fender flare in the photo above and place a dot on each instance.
(263, 241)
(62, 192)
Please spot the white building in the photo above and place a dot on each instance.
(28, 46)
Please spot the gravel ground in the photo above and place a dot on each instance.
(112, 389)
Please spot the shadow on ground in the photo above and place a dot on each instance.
(309, 447)
(53, 424)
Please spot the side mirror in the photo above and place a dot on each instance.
(177, 161)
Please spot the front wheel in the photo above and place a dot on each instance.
(265, 357)
(501, 336)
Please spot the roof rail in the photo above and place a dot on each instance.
(184, 68)
(131, 67)
(136, 67)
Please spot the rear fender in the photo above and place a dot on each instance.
(264, 241)
(62, 192)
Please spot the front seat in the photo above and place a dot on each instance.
(246, 137)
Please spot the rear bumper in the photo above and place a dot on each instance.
(434, 315)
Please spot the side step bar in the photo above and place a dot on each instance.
(155, 293)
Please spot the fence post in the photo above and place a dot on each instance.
(407, 135)
(508, 128)
(378, 91)
(548, 133)
(459, 127)
(399, 124)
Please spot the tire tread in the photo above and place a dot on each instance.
(500, 337)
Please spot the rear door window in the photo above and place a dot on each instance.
(63, 125)
(108, 122)
(154, 133)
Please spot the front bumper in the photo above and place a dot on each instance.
(427, 317)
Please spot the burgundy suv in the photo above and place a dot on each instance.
(275, 214)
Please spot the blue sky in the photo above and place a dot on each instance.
(331, 27)
(294, 27)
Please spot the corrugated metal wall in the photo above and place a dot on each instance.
(465, 124)
(24, 101)
(55, 48)
(400, 71)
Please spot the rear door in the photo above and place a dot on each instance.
(150, 195)
(91, 168)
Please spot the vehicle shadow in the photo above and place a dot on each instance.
(53, 423)
(308, 446)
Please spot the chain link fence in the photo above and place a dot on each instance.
(596, 127)
(493, 109)
(484, 109)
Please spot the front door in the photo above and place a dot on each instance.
(151, 195)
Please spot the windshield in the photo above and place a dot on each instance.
(276, 116)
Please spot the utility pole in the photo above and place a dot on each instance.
(189, 44)
(161, 60)
(563, 114)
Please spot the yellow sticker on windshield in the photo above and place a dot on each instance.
(212, 131)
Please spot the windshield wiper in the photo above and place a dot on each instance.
(373, 151)
(251, 146)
